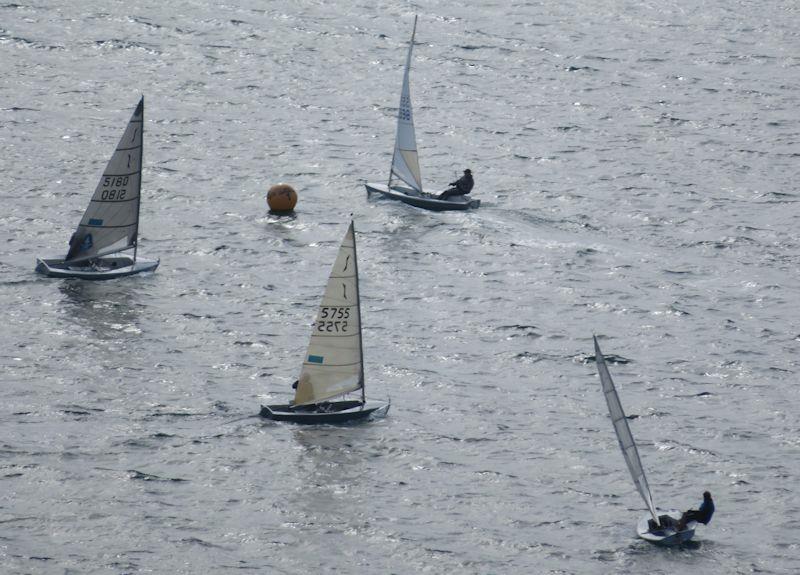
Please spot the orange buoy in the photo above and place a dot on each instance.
(281, 198)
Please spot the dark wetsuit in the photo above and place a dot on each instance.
(461, 187)
(702, 515)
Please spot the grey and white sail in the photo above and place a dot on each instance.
(405, 161)
(624, 435)
(111, 222)
(334, 361)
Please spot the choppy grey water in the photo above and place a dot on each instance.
(637, 166)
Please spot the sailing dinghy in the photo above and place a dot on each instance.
(659, 528)
(334, 364)
(110, 225)
(405, 179)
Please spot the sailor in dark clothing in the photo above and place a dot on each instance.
(461, 187)
(702, 515)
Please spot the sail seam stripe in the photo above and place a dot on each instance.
(335, 334)
(120, 175)
(128, 149)
(107, 227)
(115, 201)
(333, 364)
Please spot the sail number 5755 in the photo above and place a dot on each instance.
(333, 319)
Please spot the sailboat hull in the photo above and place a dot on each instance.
(669, 536)
(422, 200)
(104, 268)
(324, 413)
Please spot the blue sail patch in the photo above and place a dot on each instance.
(95, 222)
(315, 359)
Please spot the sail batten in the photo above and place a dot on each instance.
(405, 160)
(111, 221)
(334, 359)
(624, 436)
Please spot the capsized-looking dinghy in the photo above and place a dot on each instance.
(659, 528)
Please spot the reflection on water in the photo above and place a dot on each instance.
(331, 467)
(108, 308)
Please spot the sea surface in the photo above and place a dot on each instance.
(638, 168)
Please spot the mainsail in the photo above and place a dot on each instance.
(111, 222)
(626, 442)
(334, 361)
(405, 161)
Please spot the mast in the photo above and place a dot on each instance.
(139, 202)
(358, 302)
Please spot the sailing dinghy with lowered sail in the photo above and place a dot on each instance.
(405, 178)
(660, 529)
(334, 363)
(110, 225)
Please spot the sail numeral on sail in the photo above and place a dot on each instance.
(333, 319)
(334, 312)
(116, 181)
(331, 326)
(113, 194)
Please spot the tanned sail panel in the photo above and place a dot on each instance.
(111, 222)
(334, 363)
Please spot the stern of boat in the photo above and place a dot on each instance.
(667, 537)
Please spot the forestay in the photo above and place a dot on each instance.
(334, 361)
(111, 222)
(405, 161)
(624, 435)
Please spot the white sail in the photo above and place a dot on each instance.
(334, 361)
(405, 161)
(111, 222)
(626, 441)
